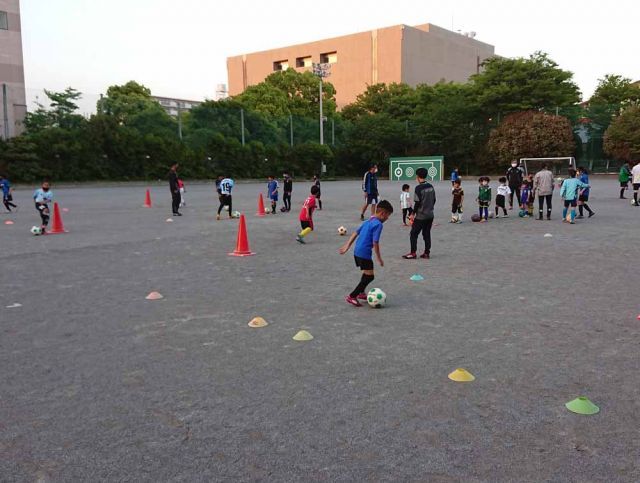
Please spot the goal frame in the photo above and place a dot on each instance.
(555, 162)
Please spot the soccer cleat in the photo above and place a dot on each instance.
(497, 215)
(177, 214)
(425, 255)
(218, 217)
(362, 296)
(572, 222)
(591, 214)
(580, 217)
(361, 217)
(300, 239)
(506, 215)
(410, 256)
(350, 300)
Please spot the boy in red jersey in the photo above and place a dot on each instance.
(306, 214)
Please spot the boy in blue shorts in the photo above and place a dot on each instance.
(368, 236)
(272, 188)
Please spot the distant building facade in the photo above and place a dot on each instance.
(424, 54)
(12, 88)
(172, 106)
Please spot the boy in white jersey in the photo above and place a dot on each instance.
(42, 197)
(224, 188)
(501, 197)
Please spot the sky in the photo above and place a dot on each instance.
(179, 48)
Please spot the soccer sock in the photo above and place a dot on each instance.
(564, 213)
(480, 211)
(581, 210)
(364, 281)
(586, 207)
(305, 232)
(621, 192)
(635, 196)
(486, 213)
(548, 212)
(573, 214)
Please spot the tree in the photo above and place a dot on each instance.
(507, 85)
(127, 100)
(60, 113)
(622, 138)
(531, 134)
(397, 100)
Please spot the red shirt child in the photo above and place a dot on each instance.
(306, 214)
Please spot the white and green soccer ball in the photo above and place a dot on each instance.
(376, 298)
(36, 230)
(342, 231)
(235, 214)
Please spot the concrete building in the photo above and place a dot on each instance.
(424, 54)
(173, 106)
(13, 106)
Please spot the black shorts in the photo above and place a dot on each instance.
(636, 186)
(456, 208)
(483, 204)
(363, 263)
(571, 203)
(500, 201)
(372, 200)
(225, 200)
(305, 224)
(583, 198)
(624, 184)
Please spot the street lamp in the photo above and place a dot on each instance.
(322, 70)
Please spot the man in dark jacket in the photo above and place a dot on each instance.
(175, 189)
(424, 200)
(515, 175)
(288, 188)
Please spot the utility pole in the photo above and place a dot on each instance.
(322, 71)
(242, 124)
(291, 128)
(333, 132)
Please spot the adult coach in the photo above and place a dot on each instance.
(370, 187)
(287, 190)
(424, 200)
(515, 175)
(175, 189)
(543, 187)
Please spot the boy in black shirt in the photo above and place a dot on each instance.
(457, 194)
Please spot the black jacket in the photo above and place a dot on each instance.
(288, 185)
(515, 176)
(424, 200)
(173, 181)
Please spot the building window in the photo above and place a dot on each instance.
(329, 58)
(4, 23)
(304, 61)
(280, 65)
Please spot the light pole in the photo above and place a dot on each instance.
(322, 71)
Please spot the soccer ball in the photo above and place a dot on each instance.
(475, 217)
(522, 213)
(455, 218)
(376, 298)
(267, 209)
(235, 214)
(36, 230)
(342, 231)
(491, 214)
(633, 202)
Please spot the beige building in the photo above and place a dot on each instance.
(424, 54)
(12, 90)
(173, 106)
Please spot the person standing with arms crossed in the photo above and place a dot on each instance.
(515, 175)
(543, 188)
(370, 187)
(286, 192)
(424, 200)
(175, 189)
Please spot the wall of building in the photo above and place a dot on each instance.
(12, 71)
(362, 58)
(431, 54)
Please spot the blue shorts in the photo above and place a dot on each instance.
(372, 199)
(274, 198)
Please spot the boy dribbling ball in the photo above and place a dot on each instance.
(368, 241)
(306, 214)
(42, 197)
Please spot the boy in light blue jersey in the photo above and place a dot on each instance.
(272, 192)
(368, 236)
(7, 197)
(224, 195)
(569, 193)
(42, 197)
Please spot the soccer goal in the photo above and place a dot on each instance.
(556, 165)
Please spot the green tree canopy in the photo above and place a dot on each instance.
(507, 85)
(622, 138)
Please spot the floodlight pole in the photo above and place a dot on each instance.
(322, 71)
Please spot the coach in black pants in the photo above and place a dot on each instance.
(175, 189)
(424, 200)
(515, 175)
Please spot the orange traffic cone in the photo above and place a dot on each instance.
(57, 226)
(242, 243)
(260, 206)
(147, 200)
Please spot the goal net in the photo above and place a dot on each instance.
(558, 166)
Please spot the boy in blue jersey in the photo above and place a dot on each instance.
(583, 175)
(368, 236)
(224, 195)
(569, 193)
(272, 191)
(7, 198)
(42, 197)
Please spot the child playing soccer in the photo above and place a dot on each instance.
(272, 191)
(306, 214)
(368, 240)
(224, 195)
(457, 194)
(569, 193)
(484, 198)
(42, 197)
(525, 194)
(405, 203)
(501, 197)
(183, 203)
(532, 195)
(316, 183)
(7, 197)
